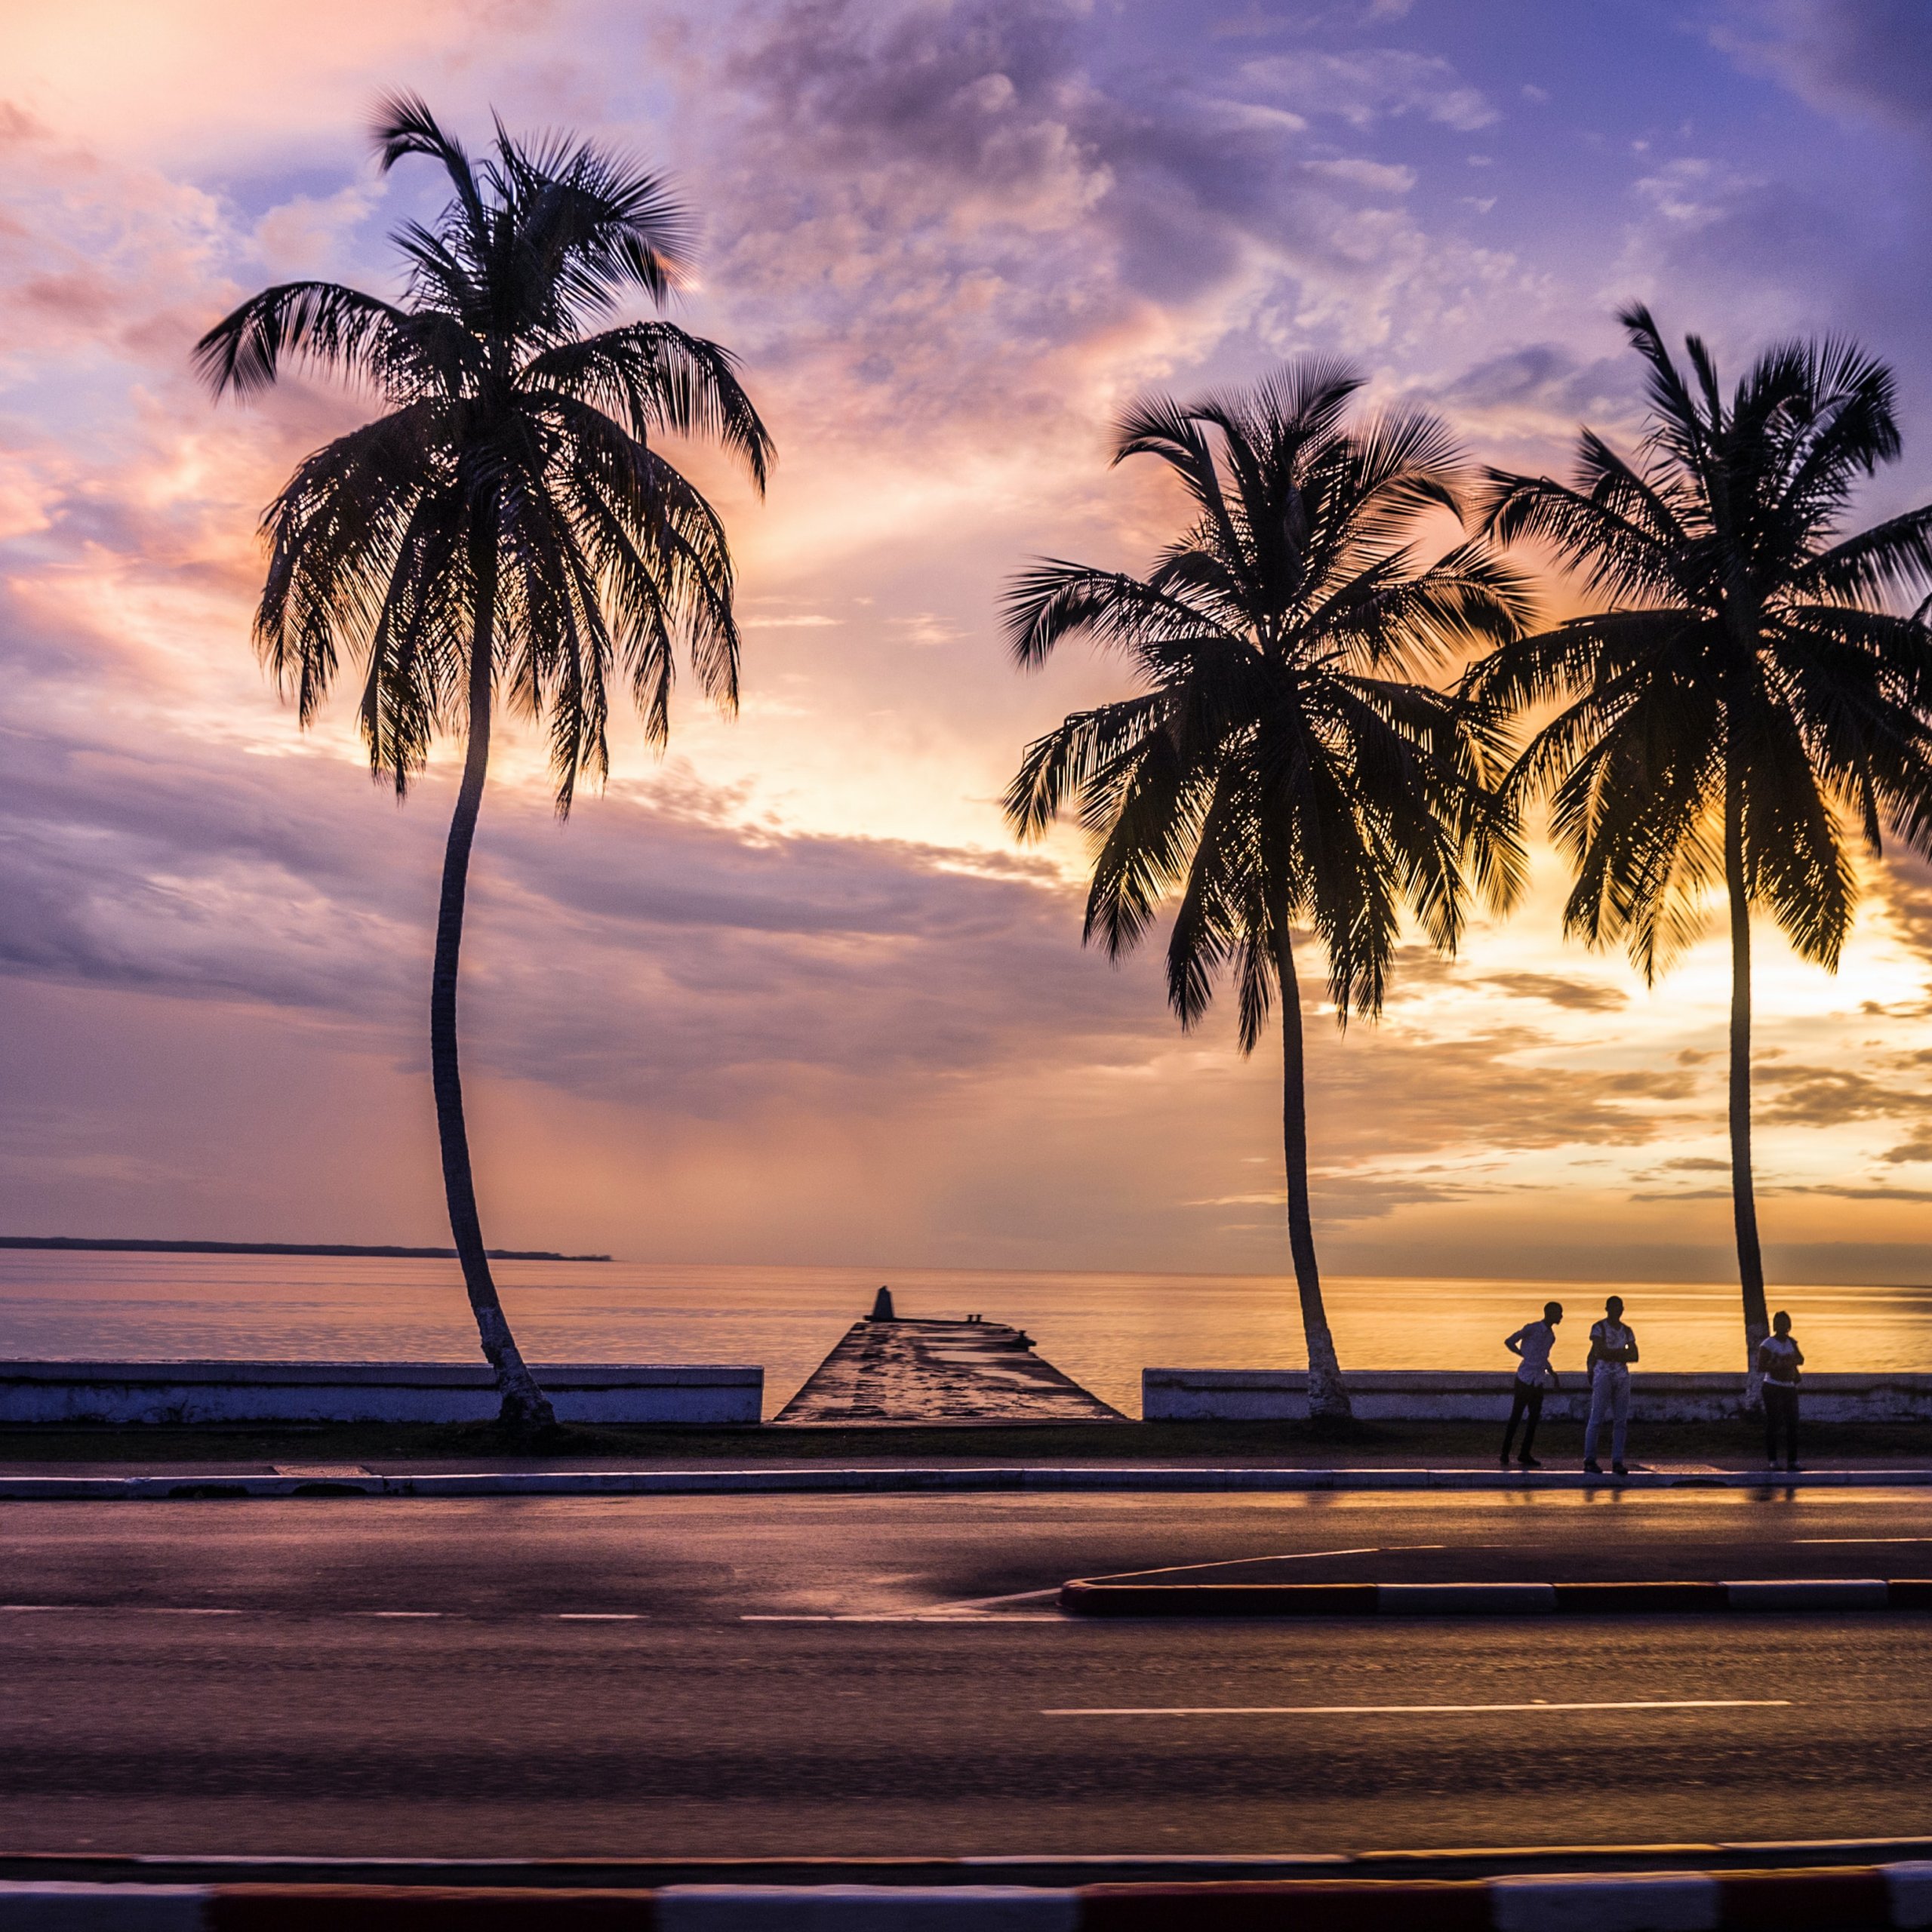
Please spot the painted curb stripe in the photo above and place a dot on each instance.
(1465, 1599)
(1422, 1905)
(40, 1907)
(1639, 1902)
(1909, 1883)
(1799, 1593)
(1648, 1599)
(1770, 1901)
(1815, 1900)
(418, 1908)
(866, 1909)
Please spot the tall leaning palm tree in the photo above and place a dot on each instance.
(1280, 766)
(506, 523)
(1748, 705)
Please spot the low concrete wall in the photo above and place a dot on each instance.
(180, 1392)
(1244, 1395)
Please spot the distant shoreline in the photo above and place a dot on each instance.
(75, 1241)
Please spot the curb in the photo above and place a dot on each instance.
(1086, 1596)
(1036, 1871)
(1841, 1899)
(736, 1482)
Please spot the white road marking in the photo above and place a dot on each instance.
(1821, 1539)
(985, 1603)
(124, 1609)
(393, 1614)
(1233, 1562)
(599, 1616)
(1406, 1710)
(900, 1616)
(951, 1616)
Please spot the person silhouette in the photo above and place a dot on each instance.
(1613, 1348)
(1779, 1360)
(1532, 1341)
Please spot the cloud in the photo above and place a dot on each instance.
(1829, 1096)
(1579, 995)
(642, 948)
(1872, 57)
(1363, 88)
(980, 212)
(1544, 390)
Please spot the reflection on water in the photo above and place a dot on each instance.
(1102, 1329)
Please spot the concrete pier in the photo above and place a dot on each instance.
(896, 1371)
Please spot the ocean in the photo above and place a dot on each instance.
(1102, 1329)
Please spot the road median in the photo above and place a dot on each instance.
(1097, 1596)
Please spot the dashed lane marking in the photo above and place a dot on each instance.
(1407, 1710)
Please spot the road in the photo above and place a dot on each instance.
(873, 1674)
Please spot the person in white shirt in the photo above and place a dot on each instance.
(1613, 1348)
(1779, 1360)
(1532, 1341)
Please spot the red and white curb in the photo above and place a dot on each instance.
(1089, 1596)
(1837, 1899)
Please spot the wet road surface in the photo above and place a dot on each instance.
(877, 1674)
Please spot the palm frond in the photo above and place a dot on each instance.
(322, 323)
(657, 378)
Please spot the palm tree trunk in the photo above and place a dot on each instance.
(524, 1404)
(1743, 1201)
(1327, 1393)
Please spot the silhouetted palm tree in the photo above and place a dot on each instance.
(1280, 766)
(507, 520)
(1747, 705)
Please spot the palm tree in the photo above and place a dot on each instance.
(505, 520)
(1747, 706)
(1280, 767)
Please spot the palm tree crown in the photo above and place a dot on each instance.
(505, 519)
(1749, 706)
(513, 466)
(1281, 766)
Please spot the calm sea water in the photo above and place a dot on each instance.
(1102, 1329)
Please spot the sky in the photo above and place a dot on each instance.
(791, 992)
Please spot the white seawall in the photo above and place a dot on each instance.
(1265, 1395)
(190, 1392)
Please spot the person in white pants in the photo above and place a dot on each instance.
(1613, 1348)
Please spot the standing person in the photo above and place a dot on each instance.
(1613, 1348)
(1779, 1360)
(1532, 1341)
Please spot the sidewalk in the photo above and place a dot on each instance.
(230, 1482)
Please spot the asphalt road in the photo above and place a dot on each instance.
(759, 1675)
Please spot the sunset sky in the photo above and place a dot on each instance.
(791, 993)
